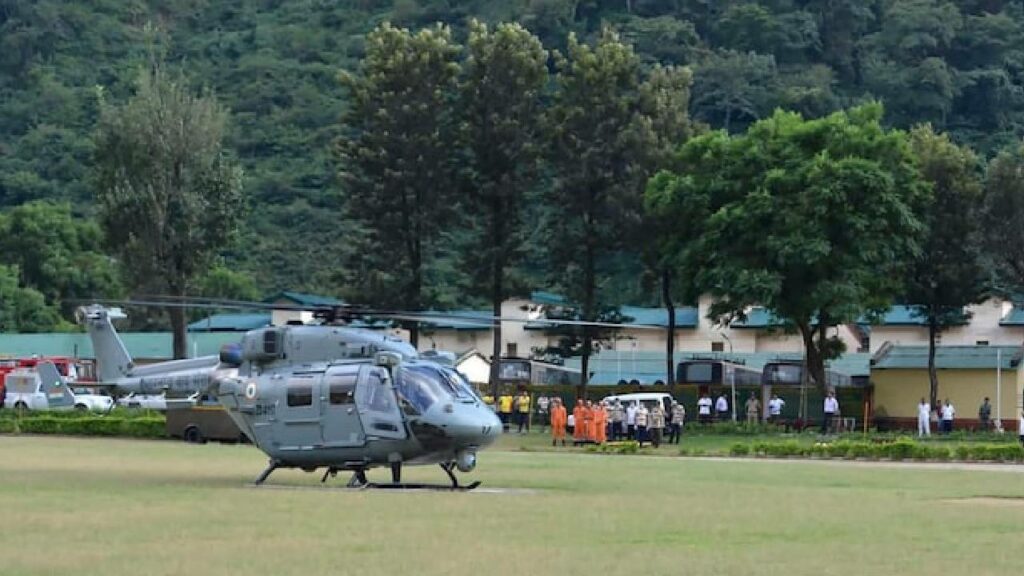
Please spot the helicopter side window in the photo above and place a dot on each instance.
(379, 396)
(342, 389)
(300, 395)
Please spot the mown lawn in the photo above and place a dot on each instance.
(111, 507)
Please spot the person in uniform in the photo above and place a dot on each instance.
(617, 417)
(656, 423)
(678, 421)
(578, 434)
(985, 415)
(631, 421)
(641, 423)
(558, 421)
(924, 414)
(489, 401)
(600, 423)
(523, 411)
(588, 421)
(505, 410)
(753, 407)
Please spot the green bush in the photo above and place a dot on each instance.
(739, 449)
(89, 425)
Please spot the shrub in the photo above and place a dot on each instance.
(739, 449)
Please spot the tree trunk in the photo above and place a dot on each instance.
(670, 338)
(178, 330)
(933, 375)
(813, 356)
(497, 288)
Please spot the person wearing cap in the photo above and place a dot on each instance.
(678, 420)
(753, 407)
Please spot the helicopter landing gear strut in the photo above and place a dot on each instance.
(271, 466)
(449, 469)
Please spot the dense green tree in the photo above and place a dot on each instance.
(1003, 218)
(501, 114)
(948, 273)
(732, 89)
(25, 309)
(224, 283)
(170, 199)
(57, 253)
(600, 143)
(813, 219)
(396, 163)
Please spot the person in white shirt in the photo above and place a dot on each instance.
(924, 413)
(631, 421)
(831, 409)
(948, 412)
(704, 409)
(641, 424)
(1021, 431)
(775, 408)
(722, 408)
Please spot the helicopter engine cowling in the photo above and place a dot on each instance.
(465, 460)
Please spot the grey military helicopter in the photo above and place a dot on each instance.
(322, 397)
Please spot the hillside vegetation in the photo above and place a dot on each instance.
(275, 65)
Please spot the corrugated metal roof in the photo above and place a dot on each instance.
(230, 323)
(759, 318)
(147, 345)
(900, 315)
(1015, 317)
(549, 298)
(948, 357)
(304, 299)
(459, 320)
(686, 317)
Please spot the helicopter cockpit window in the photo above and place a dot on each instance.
(462, 388)
(421, 387)
(300, 394)
(378, 396)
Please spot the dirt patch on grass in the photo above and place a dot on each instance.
(997, 501)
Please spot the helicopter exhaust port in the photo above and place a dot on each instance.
(465, 460)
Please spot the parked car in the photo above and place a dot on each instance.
(88, 400)
(26, 390)
(143, 401)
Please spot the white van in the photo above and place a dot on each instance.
(648, 398)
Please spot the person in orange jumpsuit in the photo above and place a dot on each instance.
(579, 431)
(600, 424)
(558, 421)
(588, 419)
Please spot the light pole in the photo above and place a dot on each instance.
(732, 376)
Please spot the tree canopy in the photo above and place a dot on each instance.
(813, 219)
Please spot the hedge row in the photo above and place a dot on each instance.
(902, 449)
(140, 427)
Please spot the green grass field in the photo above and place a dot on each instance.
(112, 507)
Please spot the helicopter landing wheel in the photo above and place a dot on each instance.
(330, 473)
(271, 466)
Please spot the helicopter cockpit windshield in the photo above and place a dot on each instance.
(422, 386)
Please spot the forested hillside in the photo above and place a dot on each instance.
(275, 65)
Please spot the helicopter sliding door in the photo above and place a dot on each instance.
(378, 406)
(341, 425)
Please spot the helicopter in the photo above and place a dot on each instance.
(325, 396)
(322, 397)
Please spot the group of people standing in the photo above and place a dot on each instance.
(599, 422)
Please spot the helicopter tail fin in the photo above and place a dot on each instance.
(56, 389)
(112, 358)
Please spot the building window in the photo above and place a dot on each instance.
(981, 342)
(300, 395)
(718, 346)
(511, 349)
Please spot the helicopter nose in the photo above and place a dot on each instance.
(475, 426)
